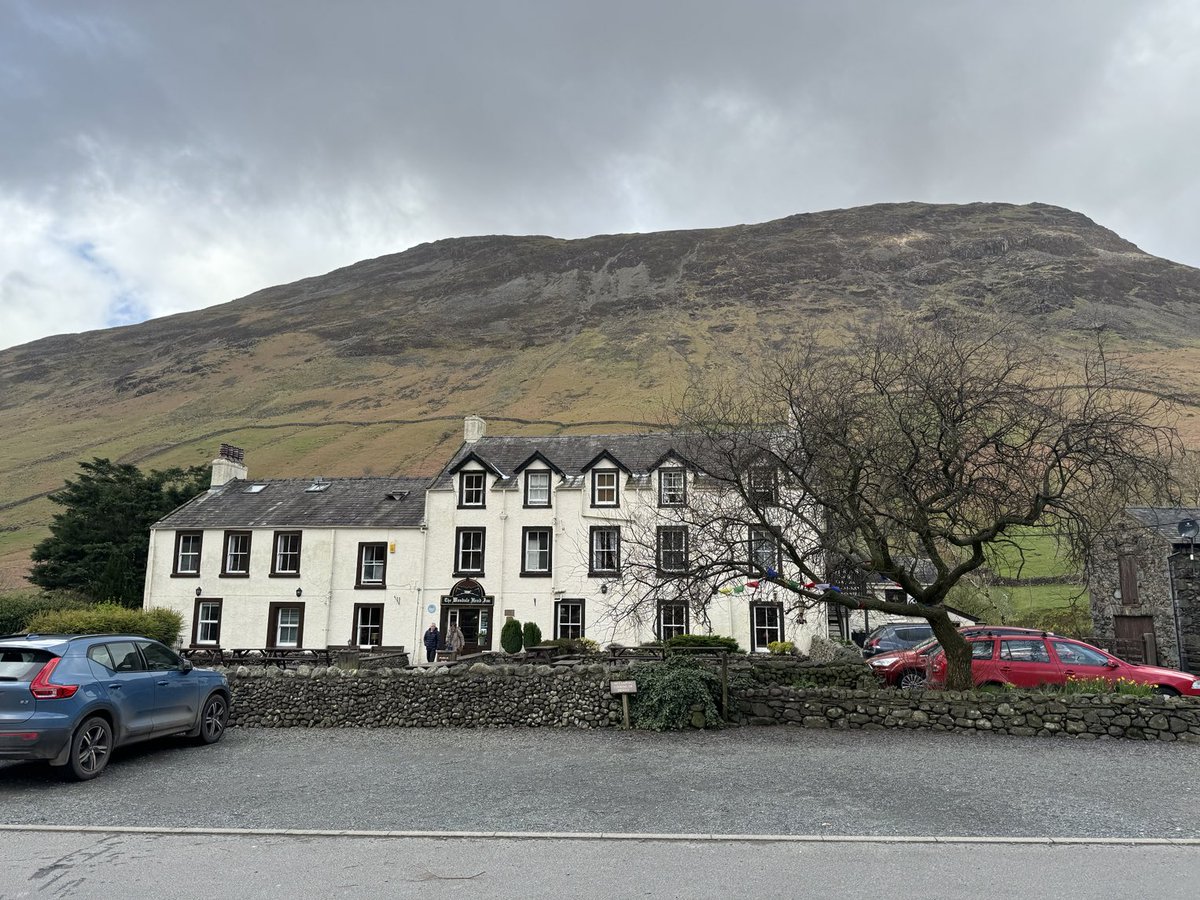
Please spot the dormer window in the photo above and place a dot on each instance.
(537, 488)
(763, 485)
(604, 487)
(471, 488)
(672, 487)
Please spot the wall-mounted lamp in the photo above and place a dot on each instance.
(604, 588)
(199, 591)
(299, 592)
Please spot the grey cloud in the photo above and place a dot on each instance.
(399, 122)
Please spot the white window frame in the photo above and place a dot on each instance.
(676, 627)
(765, 608)
(681, 551)
(210, 623)
(539, 474)
(381, 563)
(359, 625)
(232, 538)
(569, 620)
(195, 543)
(672, 495)
(615, 533)
(472, 489)
(293, 627)
(461, 550)
(606, 487)
(762, 538)
(535, 559)
(281, 553)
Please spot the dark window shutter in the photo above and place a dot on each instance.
(1129, 585)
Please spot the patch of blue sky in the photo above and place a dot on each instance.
(124, 307)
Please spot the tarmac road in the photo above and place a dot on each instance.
(742, 781)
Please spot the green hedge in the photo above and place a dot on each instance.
(716, 641)
(17, 609)
(109, 618)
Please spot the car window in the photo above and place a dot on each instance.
(125, 657)
(158, 657)
(1024, 651)
(100, 654)
(917, 633)
(22, 664)
(1078, 655)
(925, 645)
(981, 649)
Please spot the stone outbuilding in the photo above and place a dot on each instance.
(1144, 586)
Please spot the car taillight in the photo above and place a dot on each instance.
(43, 689)
(874, 642)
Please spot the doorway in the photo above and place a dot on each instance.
(476, 625)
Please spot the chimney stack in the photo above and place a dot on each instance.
(229, 464)
(473, 429)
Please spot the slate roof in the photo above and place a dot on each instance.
(637, 453)
(1164, 521)
(287, 503)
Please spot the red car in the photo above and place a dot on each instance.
(910, 668)
(1027, 661)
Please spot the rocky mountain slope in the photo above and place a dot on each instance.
(370, 368)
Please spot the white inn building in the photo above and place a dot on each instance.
(532, 528)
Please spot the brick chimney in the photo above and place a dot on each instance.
(473, 429)
(229, 464)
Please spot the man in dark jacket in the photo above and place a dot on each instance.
(432, 636)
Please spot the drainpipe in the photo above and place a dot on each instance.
(1180, 655)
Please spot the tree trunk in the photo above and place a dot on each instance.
(957, 650)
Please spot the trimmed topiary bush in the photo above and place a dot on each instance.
(716, 641)
(109, 618)
(667, 693)
(18, 608)
(510, 636)
(531, 635)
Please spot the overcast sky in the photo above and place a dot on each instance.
(164, 156)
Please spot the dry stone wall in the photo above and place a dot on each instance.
(577, 696)
(476, 696)
(1086, 717)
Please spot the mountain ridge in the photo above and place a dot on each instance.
(308, 375)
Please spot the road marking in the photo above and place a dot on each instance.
(608, 836)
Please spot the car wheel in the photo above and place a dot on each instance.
(911, 679)
(91, 746)
(1163, 691)
(213, 719)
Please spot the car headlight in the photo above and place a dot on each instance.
(882, 660)
(1196, 685)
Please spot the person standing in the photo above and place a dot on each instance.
(432, 636)
(455, 639)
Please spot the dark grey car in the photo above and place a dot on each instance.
(896, 636)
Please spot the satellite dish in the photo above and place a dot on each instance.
(1188, 528)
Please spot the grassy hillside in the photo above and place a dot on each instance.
(370, 369)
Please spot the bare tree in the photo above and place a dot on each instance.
(918, 449)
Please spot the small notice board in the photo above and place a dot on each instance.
(623, 687)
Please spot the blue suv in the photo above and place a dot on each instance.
(72, 699)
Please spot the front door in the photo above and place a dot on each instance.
(476, 625)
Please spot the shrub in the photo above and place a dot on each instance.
(667, 692)
(510, 636)
(781, 648)
(532, 635)
(17, 609)
(105, 618)
(574, 645)
(715, 641)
